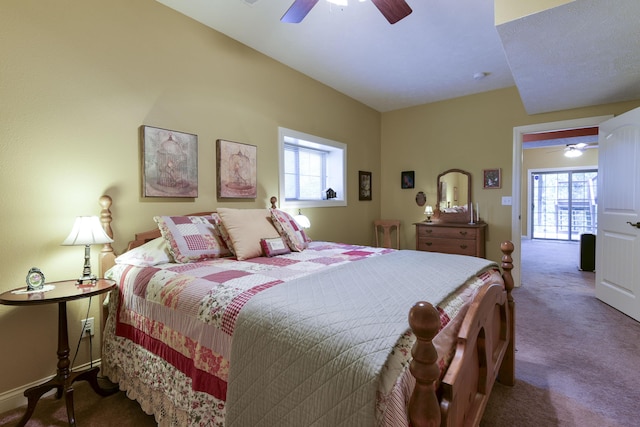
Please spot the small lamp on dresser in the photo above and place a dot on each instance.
(428, 211)
(87, 231)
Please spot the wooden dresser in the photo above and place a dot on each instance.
(451, 238)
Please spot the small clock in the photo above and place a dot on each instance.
(35, 279)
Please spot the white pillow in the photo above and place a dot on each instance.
(152, 253)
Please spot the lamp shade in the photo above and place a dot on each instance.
(428, 210)
(302, 220)
(87, 230)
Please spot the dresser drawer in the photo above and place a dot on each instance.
(448, 246)
(446, 233)
(451, 238)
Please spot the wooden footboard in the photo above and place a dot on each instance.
(485, 348)
(484, 353)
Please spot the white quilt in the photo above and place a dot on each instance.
(309, 352)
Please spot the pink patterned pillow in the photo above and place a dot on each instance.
(192, 238)
(274, 246)
(289, 229)
(222, 230)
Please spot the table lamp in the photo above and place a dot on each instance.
(302, 220)
(87, 231)
(428, 211)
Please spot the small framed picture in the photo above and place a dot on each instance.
(170, 163)
(407, 179)
(364, 180)
(492, 178)
(237, 170)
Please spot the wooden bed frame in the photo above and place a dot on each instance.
(485, 349)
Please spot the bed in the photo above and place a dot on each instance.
(212, 331)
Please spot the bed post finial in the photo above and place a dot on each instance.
(273, 201)
(107, 255)
(507, 265)
(424, 321)
(507, 373)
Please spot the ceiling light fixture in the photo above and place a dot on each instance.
(480, 75)
(572, 151)
(342, 2)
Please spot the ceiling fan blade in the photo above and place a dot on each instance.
(393, 10)
(298, 10)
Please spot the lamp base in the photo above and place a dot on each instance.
(87, 280)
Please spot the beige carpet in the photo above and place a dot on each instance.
(577, 360)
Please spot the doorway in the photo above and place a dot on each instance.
(563, 204)
(519, 181)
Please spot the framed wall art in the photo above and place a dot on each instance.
(407, 179)
(492, 178)
(170, 163)
(237, 171)
(364, 178)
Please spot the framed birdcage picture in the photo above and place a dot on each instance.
(237, 171)
(170, 163)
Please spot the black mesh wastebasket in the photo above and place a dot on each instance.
(588, 252)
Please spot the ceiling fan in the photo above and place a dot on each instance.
(575, 150)
(393, 10)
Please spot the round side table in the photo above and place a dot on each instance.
(60, 292)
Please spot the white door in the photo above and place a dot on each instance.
(618, 238)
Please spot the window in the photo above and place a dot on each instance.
(564, 203)
(309, 166)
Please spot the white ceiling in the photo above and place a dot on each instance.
(583, 53)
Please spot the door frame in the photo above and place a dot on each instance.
(516, 181)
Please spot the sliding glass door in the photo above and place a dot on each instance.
(563, 204)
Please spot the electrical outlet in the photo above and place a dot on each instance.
(87, 324)
(506, 200)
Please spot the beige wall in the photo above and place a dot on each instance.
(508, 10)
(470, 133)
(78, 79)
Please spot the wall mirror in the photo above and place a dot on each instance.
(454, 196)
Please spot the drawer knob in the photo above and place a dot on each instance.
(463, 233)
(428, 230)
(429, 243)
(463, 246)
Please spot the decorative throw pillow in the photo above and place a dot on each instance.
(274, 246)
(246, 227)
(217, 222)
(191, 238)
(289, 229)
(152, 253)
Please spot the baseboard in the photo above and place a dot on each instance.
(12, 399)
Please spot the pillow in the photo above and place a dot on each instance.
(217, 222)
(246, 227)
(151, 253)
(274, 246)
(290, 230)
(191, 238)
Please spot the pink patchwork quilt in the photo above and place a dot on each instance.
(168, 338)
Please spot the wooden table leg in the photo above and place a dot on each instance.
(64, 379)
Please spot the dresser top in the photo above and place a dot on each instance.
(451, 224)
